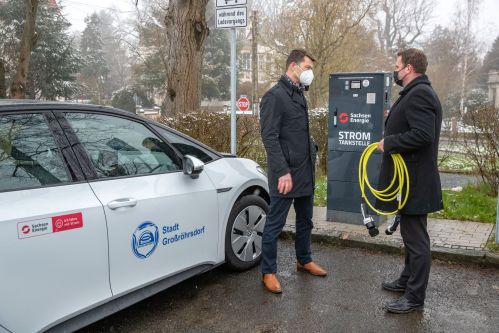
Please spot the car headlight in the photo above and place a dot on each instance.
(259, 169)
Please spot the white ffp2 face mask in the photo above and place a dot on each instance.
(306, 77)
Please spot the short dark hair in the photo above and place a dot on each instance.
(416, 58)
(297, 56)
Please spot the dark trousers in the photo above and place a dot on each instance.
(276, 219)
(417, 257)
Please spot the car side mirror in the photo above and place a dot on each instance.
(192, 166)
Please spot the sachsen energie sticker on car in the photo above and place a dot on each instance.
(49, 225)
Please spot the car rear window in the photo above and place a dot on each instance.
(29, 156)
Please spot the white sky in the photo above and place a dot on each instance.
(487, 24)
(76, 10)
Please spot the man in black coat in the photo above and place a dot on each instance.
(291, 165)
(412, 129)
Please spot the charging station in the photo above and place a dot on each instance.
(358, 106)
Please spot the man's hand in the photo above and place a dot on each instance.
(285, 184)
(381, 145)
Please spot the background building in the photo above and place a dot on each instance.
(493, 84)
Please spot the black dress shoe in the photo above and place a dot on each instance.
(393, 286)
(402, 305)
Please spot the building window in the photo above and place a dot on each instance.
(495, 98)
(261, 62)
(246, 61)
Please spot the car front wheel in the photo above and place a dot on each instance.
(243, 236)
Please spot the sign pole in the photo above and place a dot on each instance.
(232, 14)
(497, 221)
(233, 123)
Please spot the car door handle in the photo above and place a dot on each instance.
(120, 203)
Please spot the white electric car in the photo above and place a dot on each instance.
(100, 208)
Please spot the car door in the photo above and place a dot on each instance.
(53, 237)
(160, 221)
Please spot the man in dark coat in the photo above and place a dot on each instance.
(291, 165)
(412, 129)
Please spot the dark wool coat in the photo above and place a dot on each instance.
(285, 135)
(412, 129)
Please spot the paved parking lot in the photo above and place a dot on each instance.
(461, 298)
(450, 234)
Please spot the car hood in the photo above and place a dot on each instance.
(235, 172)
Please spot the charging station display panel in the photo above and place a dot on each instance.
(356, 104)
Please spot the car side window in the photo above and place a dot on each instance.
(186, 147)
(121, 147)
(29, 156)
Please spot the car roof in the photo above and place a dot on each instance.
(29, 104)
(39, 105)
(7, 105)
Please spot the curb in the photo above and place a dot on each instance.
(483, 258)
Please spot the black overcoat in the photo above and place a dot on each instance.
(285, 134)
(412, 129)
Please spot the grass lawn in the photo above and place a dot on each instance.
(455, 163)
(471, 204)
(320, 198)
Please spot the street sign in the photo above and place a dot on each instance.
(243, 103)
(230, 3)
(232, 17)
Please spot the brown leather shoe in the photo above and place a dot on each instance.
(312, 268)
(271, 283)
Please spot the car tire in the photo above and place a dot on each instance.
(243, 234)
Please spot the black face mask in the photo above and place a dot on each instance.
(396, 78)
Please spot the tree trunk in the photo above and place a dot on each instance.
(18, 86)
(3, 90)
(186, 31)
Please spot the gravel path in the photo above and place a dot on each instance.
(450, 180)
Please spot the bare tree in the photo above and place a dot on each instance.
(333, 31)
(443, 49)
(151, 49)
(400, 23)
(454, 59)
(464, 22)
(3, 90)
(482, 145)
(28, 40)
(186, 31)
(272, 8)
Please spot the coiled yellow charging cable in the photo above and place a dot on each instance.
(395, 191)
